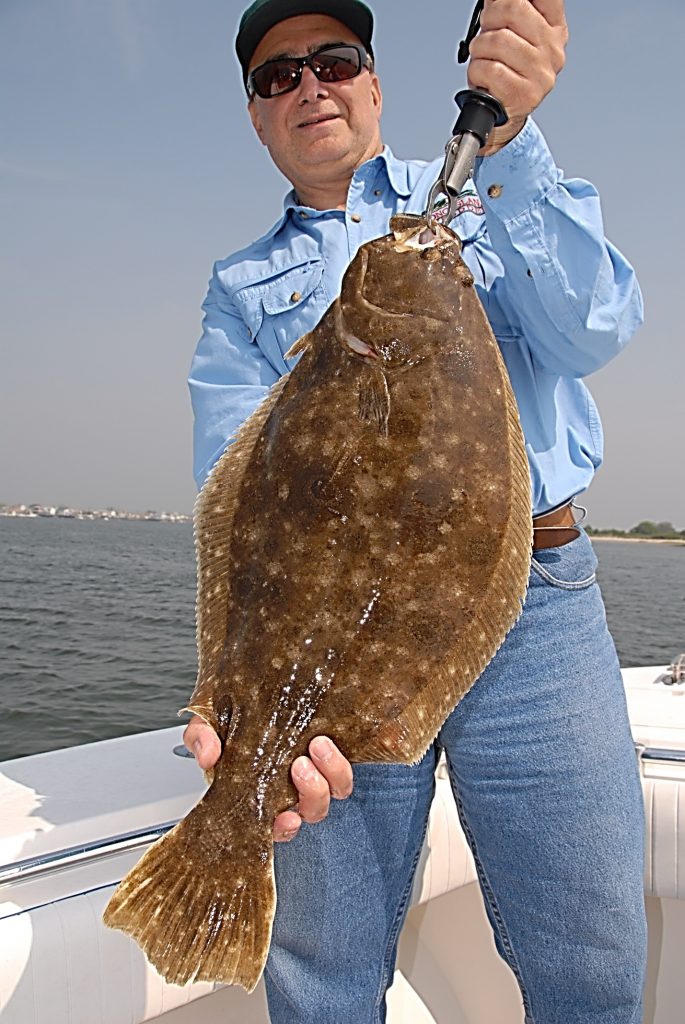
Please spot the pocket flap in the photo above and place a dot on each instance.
(291, 288)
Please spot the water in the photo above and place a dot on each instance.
(97, 634)
(96, 629)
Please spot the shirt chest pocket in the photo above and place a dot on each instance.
(280, 309)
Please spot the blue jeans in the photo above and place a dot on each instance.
(544, 773)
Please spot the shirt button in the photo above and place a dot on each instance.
(356, 218)
(296, 296)
(495, 191)
(376, 191)
(303, 215)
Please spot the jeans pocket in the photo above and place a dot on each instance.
(570, 567)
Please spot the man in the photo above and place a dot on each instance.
(539, 752)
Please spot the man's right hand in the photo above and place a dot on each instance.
(317, 778)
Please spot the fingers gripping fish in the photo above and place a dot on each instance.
(363, 549)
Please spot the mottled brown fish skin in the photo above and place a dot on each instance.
(363, 549)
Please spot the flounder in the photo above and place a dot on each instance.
(363, 549)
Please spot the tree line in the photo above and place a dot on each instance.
(645, 529)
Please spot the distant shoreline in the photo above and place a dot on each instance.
(636, 540)
(119, 515)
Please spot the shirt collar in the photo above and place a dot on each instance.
(396, 170)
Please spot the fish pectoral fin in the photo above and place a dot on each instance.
(374, 399)
(205, 711)
(299, 348)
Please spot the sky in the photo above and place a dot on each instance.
(128, 166)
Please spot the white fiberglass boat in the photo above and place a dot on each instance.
(72, 822)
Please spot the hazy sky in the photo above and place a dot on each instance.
(128, 165)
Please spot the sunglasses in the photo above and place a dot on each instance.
(330, 64)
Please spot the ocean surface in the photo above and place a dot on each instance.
(97, 624)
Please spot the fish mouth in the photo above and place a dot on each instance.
(416, 239)
(360, 299)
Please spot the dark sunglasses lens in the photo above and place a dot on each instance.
(277, 77)
(337, 64)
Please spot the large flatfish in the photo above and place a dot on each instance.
(363, 549)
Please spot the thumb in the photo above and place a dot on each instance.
(203, 742)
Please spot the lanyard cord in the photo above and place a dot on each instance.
(471, 33)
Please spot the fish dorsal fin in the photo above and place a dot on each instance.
(213, 516)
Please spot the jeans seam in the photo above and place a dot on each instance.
(563, 584)
(486, 888)
(395, 927)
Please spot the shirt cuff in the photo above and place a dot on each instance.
(518, 176)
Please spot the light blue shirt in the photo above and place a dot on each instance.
(561, 300)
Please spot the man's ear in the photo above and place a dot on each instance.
(256, 120)
(376, 94)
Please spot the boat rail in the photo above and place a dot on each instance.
(75, 856)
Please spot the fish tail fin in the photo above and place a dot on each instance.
(200, 903)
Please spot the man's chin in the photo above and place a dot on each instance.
(324, 148)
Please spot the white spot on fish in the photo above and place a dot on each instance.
(369, 608)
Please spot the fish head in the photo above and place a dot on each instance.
(399, 293)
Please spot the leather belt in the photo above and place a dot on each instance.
(555, 528)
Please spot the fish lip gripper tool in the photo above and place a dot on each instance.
(479, 114)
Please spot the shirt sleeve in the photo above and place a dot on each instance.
(575, 296)
(229, 377)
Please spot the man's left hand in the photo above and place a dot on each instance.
(516, 57)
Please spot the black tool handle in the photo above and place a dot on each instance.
(480, 113)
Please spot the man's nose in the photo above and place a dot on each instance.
(311, 89)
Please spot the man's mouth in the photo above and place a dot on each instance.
(319, 119)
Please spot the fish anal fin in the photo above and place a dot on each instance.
(374, 399)
(200, 912)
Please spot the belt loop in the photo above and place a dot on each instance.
(558, 527)
(579, 508)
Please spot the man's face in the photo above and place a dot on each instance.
(318, 132)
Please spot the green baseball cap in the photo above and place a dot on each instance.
(264, 14)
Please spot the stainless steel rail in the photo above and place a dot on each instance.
(661, 754)
(73, 856)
